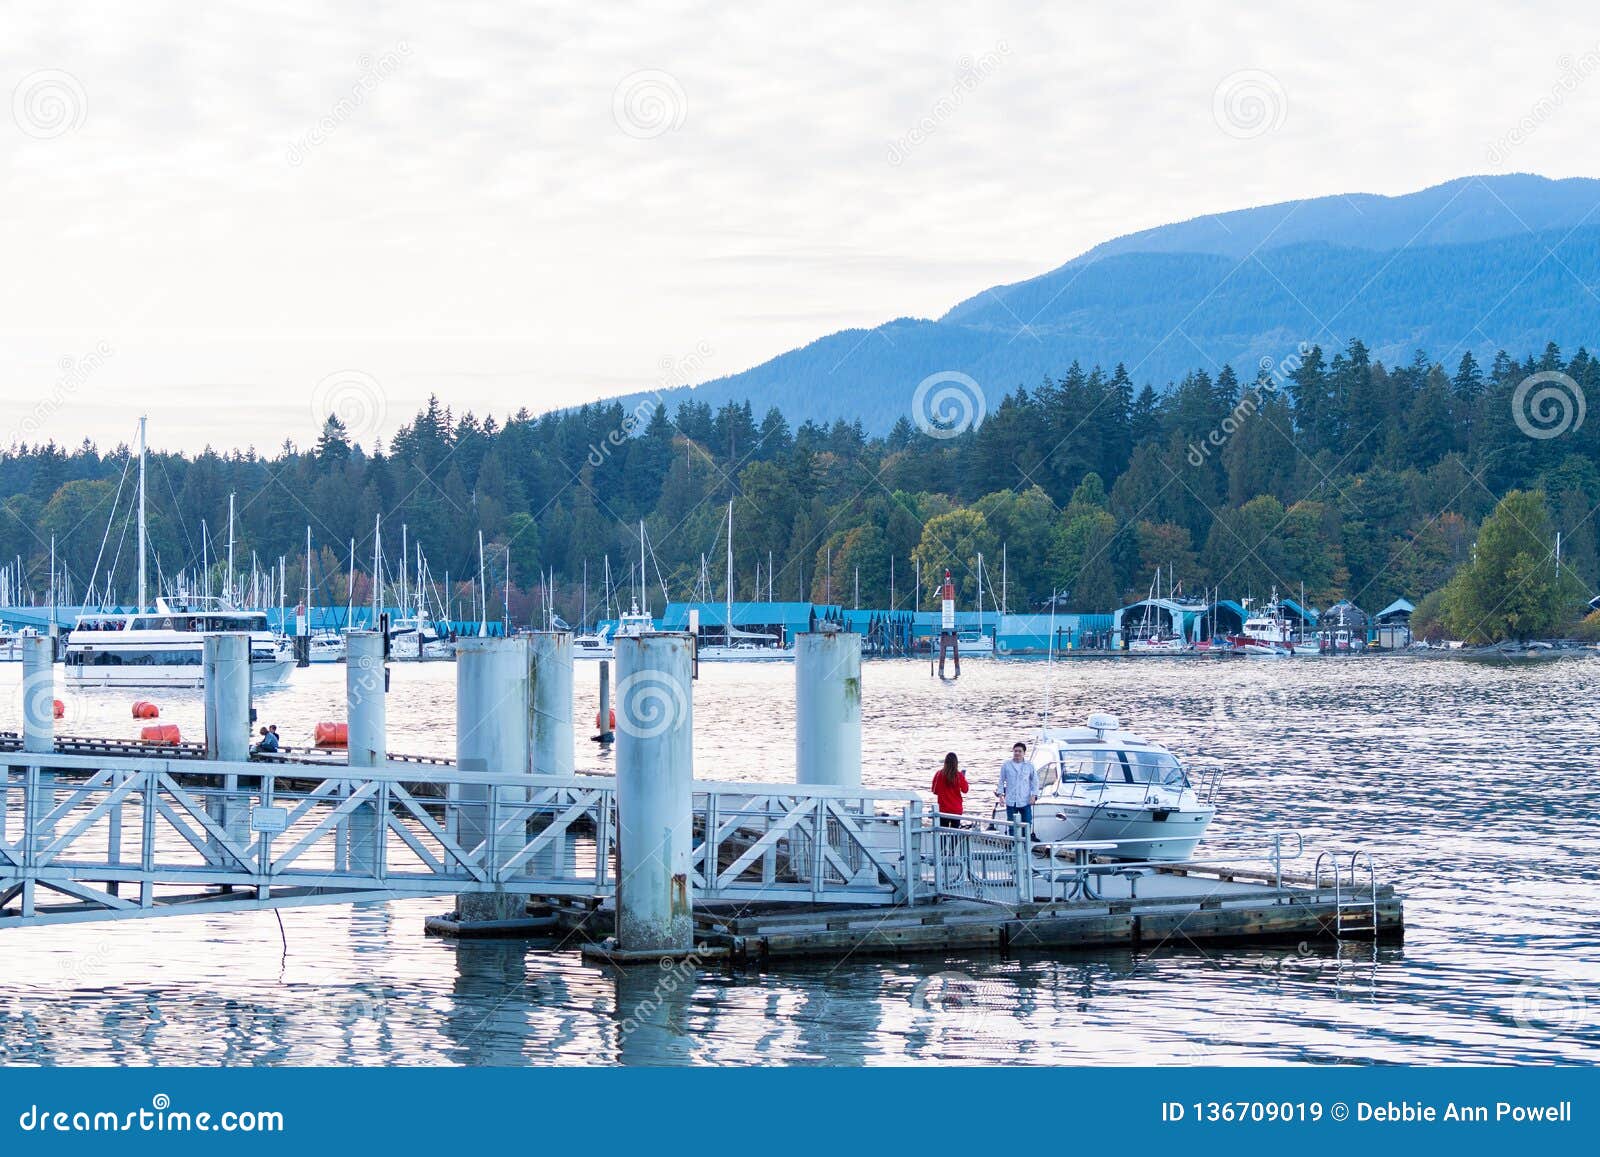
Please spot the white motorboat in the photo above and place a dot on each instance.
(595, 644)
(1270, 634)
(163, 648)
(327, 647)
(1099, 782)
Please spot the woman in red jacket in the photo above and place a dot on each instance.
(949, 785)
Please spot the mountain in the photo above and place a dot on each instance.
(1480, 263)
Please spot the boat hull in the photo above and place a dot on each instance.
(263, 675)
(1142, 833)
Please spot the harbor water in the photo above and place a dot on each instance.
(1472, 785)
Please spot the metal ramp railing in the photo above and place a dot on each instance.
(1353, 915)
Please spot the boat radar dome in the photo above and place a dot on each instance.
(1102, 722)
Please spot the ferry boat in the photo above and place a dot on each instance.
(163, 648)
(1100, 782)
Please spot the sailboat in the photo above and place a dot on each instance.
(736, 645)
(163, 646)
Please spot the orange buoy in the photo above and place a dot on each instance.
(58, 709)
(613, 725)
(333, 735)
(163, 733)
(144, 709)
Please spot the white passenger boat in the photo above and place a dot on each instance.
(163, 648)
(1099, 782)
(327, 647)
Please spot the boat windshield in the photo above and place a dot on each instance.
(1113, 766)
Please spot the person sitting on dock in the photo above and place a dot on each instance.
(269, 742)
(1019, 786)
(949, 785)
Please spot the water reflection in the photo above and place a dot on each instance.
(1473, 786)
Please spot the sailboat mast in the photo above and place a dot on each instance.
(142, 420)
(728, 631)
(308, 582)
(227, 594)
(483, 620)
(377, 569)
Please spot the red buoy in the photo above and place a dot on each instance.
(144, 709)
(613, 724)
(333, 735)
(162, 733)
(58, 709)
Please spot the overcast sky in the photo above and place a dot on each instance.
(237, 216)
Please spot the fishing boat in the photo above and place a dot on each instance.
(1270, 634)
(1100, 782)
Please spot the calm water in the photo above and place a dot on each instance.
(1473, 786)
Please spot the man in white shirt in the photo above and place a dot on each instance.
(1019, 786)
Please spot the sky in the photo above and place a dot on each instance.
(237, 218)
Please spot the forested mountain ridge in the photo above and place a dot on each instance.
(1331, 469)
(1478, 264)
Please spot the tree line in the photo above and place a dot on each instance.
(1328, 473)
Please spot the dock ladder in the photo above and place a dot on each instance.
(1353, 915)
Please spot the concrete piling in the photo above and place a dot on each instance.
(365, 682)
(655, 769)
(550, 696)
(492, 734)
(827, 708)
(39, 724)
(225, 660)
(38, 694)
(603, 717)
